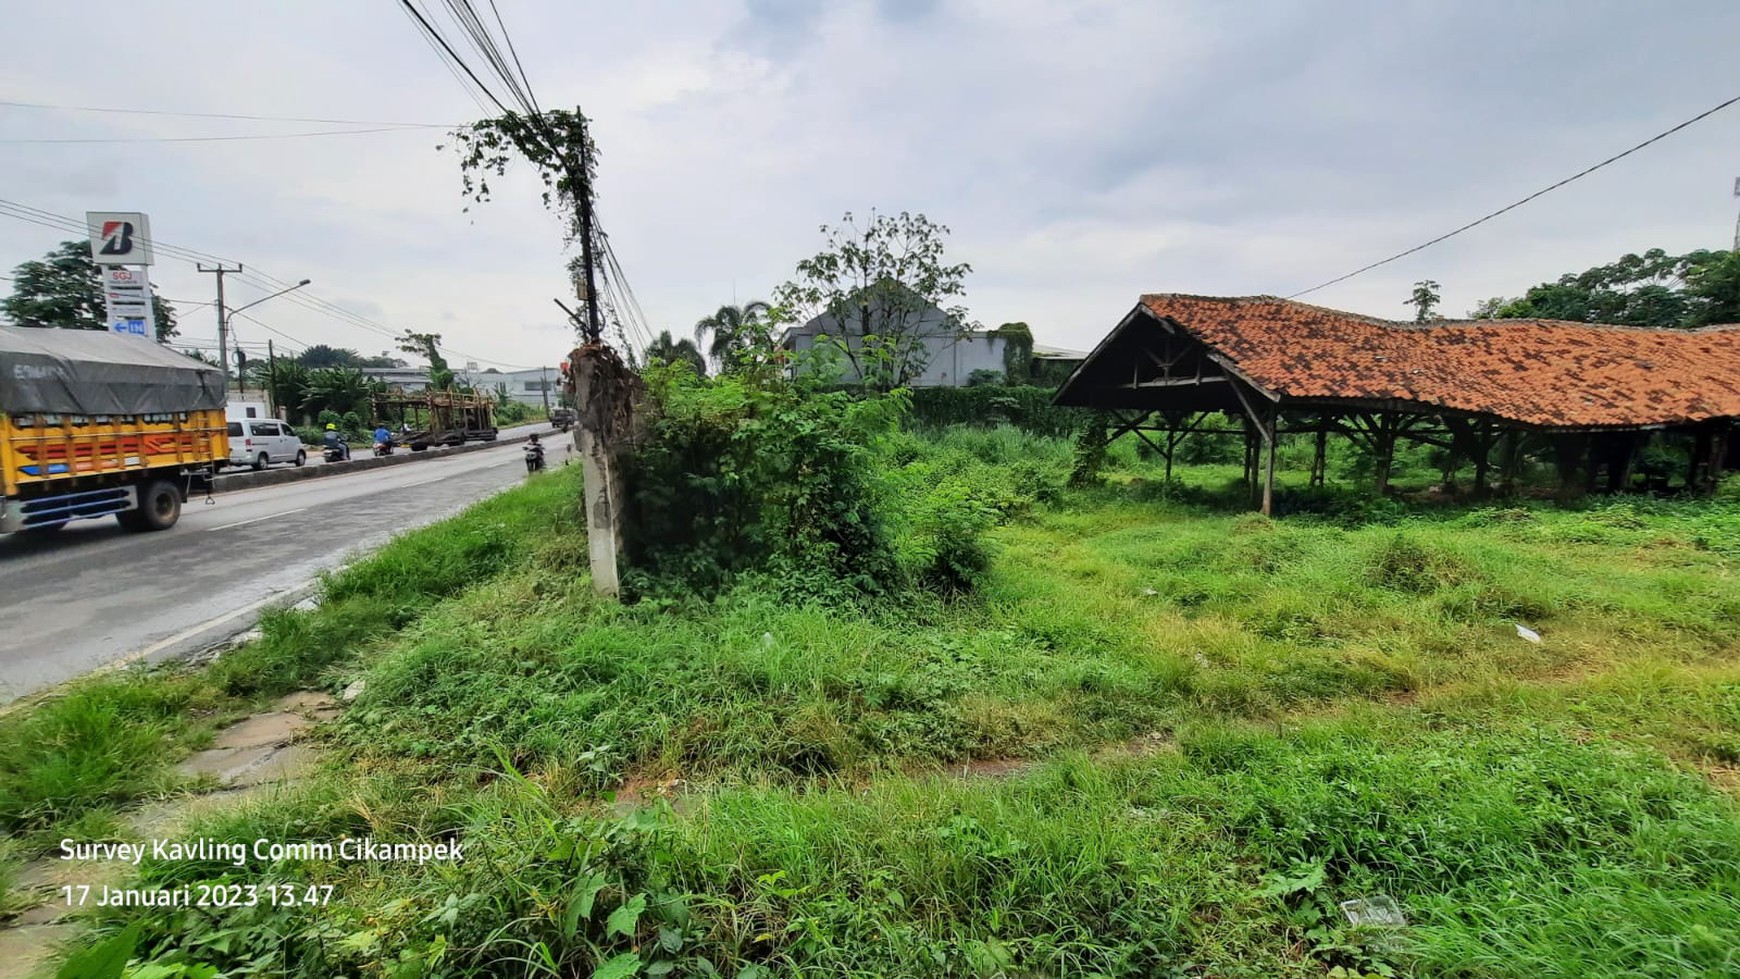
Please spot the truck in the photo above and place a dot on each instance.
(561, 418)
(96, 424)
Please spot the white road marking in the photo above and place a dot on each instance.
(192, 631)
(244, 523)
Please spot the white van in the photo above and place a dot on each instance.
(259, 442)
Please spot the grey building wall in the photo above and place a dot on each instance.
(951, 356)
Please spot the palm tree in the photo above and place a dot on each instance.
(286, 379)
(666, 350)
(340, 389)
(735, 329)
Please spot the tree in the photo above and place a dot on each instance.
(1652, 289)
(735, 329)
(321, 355)
(1424, 300)
(65, 289)
(285, 380)
(665, 350)
(880, 293)
(338, 389)
(428, 346)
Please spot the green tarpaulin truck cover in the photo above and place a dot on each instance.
(91, 372)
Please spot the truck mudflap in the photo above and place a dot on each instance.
(52, 511)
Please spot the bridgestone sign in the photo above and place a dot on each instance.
(121, 247)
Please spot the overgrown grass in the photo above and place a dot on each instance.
(111, 740)
(1217, 727)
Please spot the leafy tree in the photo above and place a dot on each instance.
(666, 350)
(65, 289)
(428, 346)
(1424, 300)
(285, 379)
(1652, 289)
(343, 390)
(736, 330)
(880, 293)
(321, 355)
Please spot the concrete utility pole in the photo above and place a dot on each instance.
(1737, 218)
(223, 318)
(544, 374)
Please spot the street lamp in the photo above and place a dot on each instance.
(224, 325)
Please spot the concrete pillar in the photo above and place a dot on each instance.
(606, 396)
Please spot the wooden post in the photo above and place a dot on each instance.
(1384, 439)
(1621, 457)
(1568, 452)
(1718, 455)
(1269, 466)
(1319, 461)
(1695, 470)
(606, 394)
(1510, 462)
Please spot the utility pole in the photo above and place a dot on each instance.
(1737, 219)
(594, 330)
(272, 378)
(544, 374)
(223, 319)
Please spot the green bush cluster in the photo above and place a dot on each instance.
(1025, 407)
(815, 493)
(736, 476)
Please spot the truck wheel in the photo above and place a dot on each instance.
(159, 507)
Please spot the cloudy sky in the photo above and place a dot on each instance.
(1082, 153)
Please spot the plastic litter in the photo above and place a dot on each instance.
(1524, 632)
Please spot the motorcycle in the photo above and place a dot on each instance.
(534, 457)
(337, 452)
(384, 448)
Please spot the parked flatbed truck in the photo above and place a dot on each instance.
(95, 424)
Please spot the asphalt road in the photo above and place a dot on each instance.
(93, 594)
(364, 449)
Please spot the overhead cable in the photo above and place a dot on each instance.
(1511, 207)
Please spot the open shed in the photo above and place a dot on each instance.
(1274, 366)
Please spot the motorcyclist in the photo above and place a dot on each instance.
(383, 439)
(335, 442)
(534, 455)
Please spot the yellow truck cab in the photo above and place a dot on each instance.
(96, 424)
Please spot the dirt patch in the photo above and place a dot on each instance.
(638, 793)
(26, 951)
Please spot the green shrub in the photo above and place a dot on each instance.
(737, 477)
(1027, 408)
(947, 552)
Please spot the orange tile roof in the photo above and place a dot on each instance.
(1539, 372)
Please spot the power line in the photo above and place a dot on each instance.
(213, 139)
(437, 37)
(224, 115)
(1510, 207)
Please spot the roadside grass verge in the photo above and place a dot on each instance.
(104, 742)
(1511, 852)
